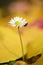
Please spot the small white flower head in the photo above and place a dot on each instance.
(17, 22)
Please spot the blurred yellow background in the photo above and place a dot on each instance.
(32, 37)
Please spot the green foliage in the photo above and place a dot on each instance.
(12, 62)
(4, 3)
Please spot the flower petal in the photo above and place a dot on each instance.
(17, 19)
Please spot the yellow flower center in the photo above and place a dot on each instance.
(17, 23)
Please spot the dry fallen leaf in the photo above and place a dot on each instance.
(21, 63)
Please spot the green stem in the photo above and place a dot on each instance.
(21, 43)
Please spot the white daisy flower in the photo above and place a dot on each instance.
(17, 21)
